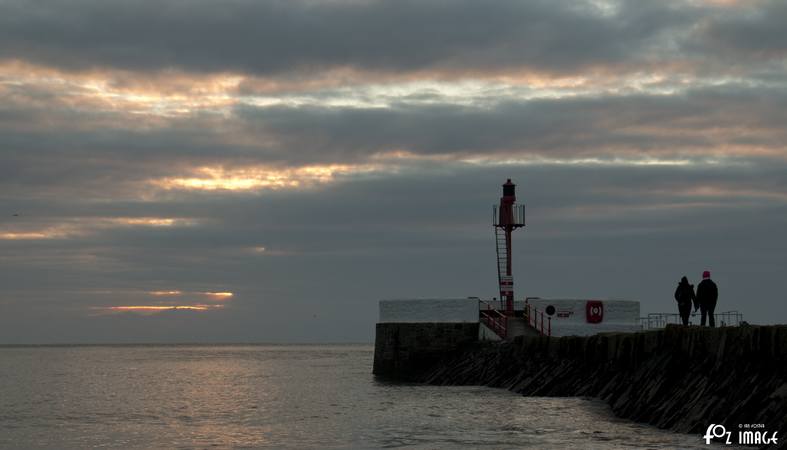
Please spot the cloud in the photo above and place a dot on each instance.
(754, 32)
(275, 37)
(690, 122)
(208, 163)
(596, 231)
(276, 45)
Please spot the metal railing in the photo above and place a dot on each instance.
(535, 319)
(655, 321)
(494, 319)
(517, 214)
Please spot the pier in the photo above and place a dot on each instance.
(678, 378)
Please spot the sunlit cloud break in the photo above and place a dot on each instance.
(165, 293)
(177, 300)
(226, 295)
(74, 227)
(218, 295)
(46, 233)
(259, 177)
(159, 308)
(617, 161)
(151, 221)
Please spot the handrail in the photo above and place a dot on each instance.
(494, 319)
(517, 215)
(490, 308)
(661, 320)
(498, 322)
(532, 316)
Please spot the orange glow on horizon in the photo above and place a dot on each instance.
(191, 301)
(158, 308)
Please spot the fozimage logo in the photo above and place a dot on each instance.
(748, 434)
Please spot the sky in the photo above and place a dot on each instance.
(267, 171)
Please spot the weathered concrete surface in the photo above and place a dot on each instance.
(403, 350)
(680, 378)
(517, 326)
(428, 310)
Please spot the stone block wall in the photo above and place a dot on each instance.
(679, 378)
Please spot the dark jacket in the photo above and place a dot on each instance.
(707, 292)
(684, 293)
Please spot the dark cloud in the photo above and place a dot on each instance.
(273, 37)
(754, 32)
(566, 127)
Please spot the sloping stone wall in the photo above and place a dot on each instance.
(680, 378)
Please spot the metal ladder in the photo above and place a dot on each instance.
(502, 256)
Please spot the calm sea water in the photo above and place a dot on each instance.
(278, 396)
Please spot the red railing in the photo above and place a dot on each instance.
(535, 319)
(494, 319)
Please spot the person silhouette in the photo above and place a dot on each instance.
(684, 295)
(707, 294)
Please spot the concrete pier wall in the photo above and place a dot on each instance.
(403, 350)
(680, 378)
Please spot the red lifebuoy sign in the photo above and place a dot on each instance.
(594, 310)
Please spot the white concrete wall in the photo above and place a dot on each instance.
(570, 318)
(429, 310)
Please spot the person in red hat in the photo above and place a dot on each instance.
(707, 294)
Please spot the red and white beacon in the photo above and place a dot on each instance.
(505, 219)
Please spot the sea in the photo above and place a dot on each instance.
(279, 396)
